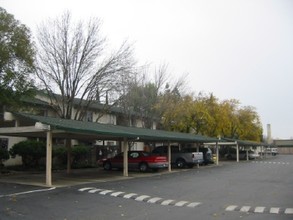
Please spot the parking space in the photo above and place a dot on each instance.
(76, 177)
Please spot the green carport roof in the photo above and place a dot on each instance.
(245, 142)
(81, 129)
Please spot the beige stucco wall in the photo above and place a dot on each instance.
(11, 142)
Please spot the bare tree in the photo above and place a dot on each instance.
(74, 68)
(72, 62)
(161, 77)
(145, 97)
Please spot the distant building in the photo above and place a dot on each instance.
(284, 146)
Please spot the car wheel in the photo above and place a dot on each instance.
(143, 167)
(180, 163)
(107, 166)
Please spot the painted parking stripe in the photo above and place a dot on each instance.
(181, 203)
(141, 198)
(266, 162)
(167, 202)
(116, 194)
(259, 209)
(105, 192)
(85, 189)
(193, 204)
(94, 190)
(231, 208)
(274, 210)
(289, 211)
(245, 209)
(154, 200)
(128, 196)
(28, 192)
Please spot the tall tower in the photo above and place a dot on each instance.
(269, 134)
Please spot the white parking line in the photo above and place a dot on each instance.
(289, 211)
(141, 198)
(266, 162)
(85, 189)
(94, 190)
(28, 192)
(128, 196)
(245, 209)
(115, 194)
(181, 203)
(193, 204)
(154, 200)
(274, 210)
(105, 192)
(167, 202)
(231, 208)
(259, 209)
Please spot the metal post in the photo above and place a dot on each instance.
(49, 159)
(169, 157)
(237, 152)
(197, 150)
(125, 157)
(217, 153)
(247, 157)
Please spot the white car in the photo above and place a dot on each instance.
(242, 155)
(272, 151)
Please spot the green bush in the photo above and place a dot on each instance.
(31, 152)
(60, 153)
(4, 155)
(79, 155)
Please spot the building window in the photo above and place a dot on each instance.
(112, 119)
(89, 116)
(4, 143)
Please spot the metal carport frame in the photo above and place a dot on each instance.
(234, 142)
(27, 125)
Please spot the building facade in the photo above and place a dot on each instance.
(284, 146)
(97, 113)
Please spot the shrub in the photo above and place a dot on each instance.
(31, 152)
(4, 155)
(79, 155)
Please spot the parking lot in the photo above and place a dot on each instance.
(94, 175)
(256, 189)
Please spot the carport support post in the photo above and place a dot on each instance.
(169, 157)
(49, 159)
(247, 158)
(217, 153)
(237, 152)
(125, 157)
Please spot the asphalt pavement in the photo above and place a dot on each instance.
(75, 177)
(61, 178)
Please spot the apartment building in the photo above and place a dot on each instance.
(96, 112)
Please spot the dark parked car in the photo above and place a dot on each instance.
(231, 155)
(137, 160)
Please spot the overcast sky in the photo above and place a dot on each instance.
(235, 49)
